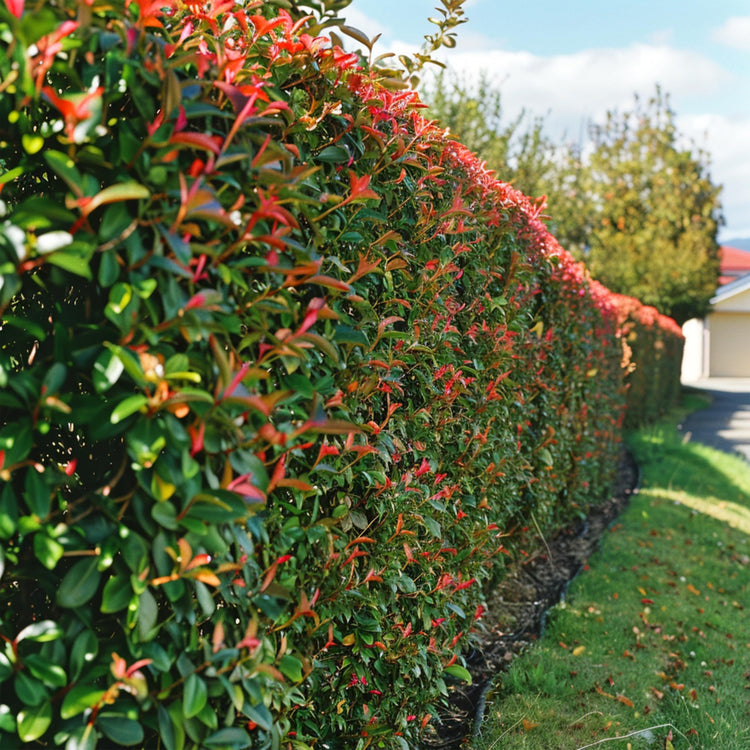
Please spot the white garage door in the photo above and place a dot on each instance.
(730, 345)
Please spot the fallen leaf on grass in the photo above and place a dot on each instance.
(619, 697)
(693, 590)
(578, 650)
(528, 725)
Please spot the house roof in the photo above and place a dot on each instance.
(734, 263)
(737, 286)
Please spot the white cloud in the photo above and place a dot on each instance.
(579, 87)
(574, 89)
(663, 36)
(725, 138)
(735, 32)
(365, 23)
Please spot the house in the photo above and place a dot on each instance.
(719, 344)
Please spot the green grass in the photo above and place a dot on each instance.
(655, 636)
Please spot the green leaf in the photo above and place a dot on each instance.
(11, 175)
(37, 494)
(259, 714)
(29, 690)
(114, 193)
(333, 155)
(165, 515)
(78, 699)
(344, 334)
(85, 649)
(50, 674)
(291, 667)
(205, 599)
(8, 512)
(109, 269)
(83, 738)
(119, 297)
(70, 260)
(54, 378)
(148, 613)
(47, 550)
(65, 168)
(6, 668)
(195, 696)
(128, 407)
(79, 584)
(461, 673)
(16, 440)
(107, 370)
(32, 143)
(40, 632)
(117, 594)
(121, 729)
(230, 738)
(171, 729)
(34, 722)
(7, 720)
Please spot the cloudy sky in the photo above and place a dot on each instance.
(572, 61)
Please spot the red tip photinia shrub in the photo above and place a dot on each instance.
(284, 374)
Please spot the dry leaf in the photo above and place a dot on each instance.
(626, 701)
(578, 650)
(693, 590)
(528, 725)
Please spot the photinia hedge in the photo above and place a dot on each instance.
(286, 376)
(653, 345)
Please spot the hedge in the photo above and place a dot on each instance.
(287, 376)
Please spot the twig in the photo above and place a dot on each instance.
(549, 551)
(632, 734)
(494, 744)
(581, 718)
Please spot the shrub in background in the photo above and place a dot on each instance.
(653, 348)
(284, 374)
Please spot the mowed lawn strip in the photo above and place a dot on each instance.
(652, 645)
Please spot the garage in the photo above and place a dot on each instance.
(729, 337)
(719, 345)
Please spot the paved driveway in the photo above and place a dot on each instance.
(726, 423)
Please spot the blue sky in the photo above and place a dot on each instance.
(572, 60)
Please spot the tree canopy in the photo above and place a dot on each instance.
(635, 202)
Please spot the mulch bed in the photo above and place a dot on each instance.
(519, 605)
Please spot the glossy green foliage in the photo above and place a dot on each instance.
(284, 374)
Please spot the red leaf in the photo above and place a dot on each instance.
(199, 140)
(15, 7)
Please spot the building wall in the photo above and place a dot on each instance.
(729, 335)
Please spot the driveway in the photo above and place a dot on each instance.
(726, 423)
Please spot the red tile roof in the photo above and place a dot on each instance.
(734, 263)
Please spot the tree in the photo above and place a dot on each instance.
(653, 212)
(634, 203)
(519, 150)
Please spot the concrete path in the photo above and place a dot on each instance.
(726, 423)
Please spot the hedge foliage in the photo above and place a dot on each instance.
(286, 376)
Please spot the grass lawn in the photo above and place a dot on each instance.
(652, 645)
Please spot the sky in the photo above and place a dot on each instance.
(573, 60)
